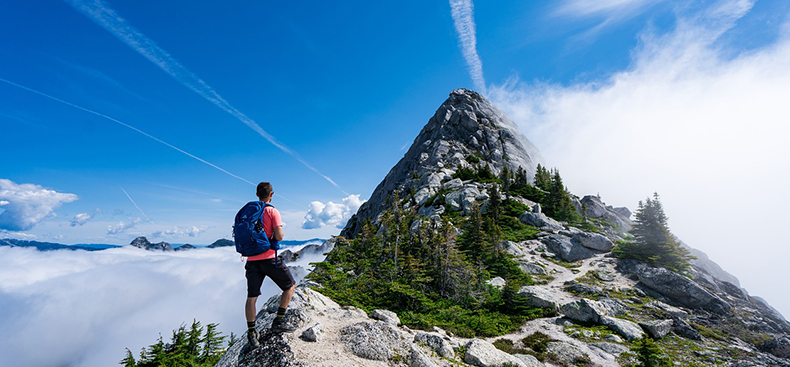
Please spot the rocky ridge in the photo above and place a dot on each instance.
(602, 304)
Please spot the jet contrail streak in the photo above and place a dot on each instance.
(107, 18)
(135, 204)
(125, 125)
(463, 17)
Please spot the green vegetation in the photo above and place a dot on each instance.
(478, 172)
(649, 354)
(653, 243)
(192, 347)
(548, 190)
(430, 276)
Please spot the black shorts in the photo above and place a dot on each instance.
(257, 270)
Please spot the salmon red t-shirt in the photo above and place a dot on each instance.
(271, 220)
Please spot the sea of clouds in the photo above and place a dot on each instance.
(83, 309)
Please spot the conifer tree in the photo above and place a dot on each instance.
(653, 242)
(543, 178)
(128, 361)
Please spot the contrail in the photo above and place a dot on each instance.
(135, 204)
(463, 17)
(125, 125)
(106, 17)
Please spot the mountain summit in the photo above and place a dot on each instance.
(470, 253)
(467, 129)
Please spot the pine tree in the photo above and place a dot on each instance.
(560, 205)
(212, 344)
(128, 361)
(543, 178)
(653, 242)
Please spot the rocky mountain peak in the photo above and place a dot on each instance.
(143, 243)
(466, 131)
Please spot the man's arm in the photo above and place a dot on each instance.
(278, 233)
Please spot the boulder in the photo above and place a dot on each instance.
(532, 268)
(462, 199)
(377, 340)
(437, 343)
(513, 248)
(685, 330)
(657, 329)
(418, 359)
(565, 353)
(583, 310)
(627, 329)
(541, 221)
(484, 354)
(313, 333)
(594, 241)
(386, 316)
(611, 348)
(579, 288)
(664, 308)
(497, 282)
(679, 289)
(778, 346)
(565, 248)
(529, 360)
(539, 297)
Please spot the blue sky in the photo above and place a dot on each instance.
(625, 97)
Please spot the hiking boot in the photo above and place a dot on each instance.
(252, 339)
(280, 326)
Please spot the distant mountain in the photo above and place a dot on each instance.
(143, 243)
(50, 246)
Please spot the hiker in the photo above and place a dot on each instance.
(266, 264)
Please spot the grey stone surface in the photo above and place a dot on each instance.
(484, 354)
(565, 248)
(541, 221)
(531, 268)
(627, 329)
(377, 340)
(497, 282)
(529, 360)
(313, 333)
(466, 124)
(539, 297)
(657, 329)
(594, 241)
(611, 348)
(386, 316)
(437, 343)
(595, 208)
(418, 359)
(583, 310)
(679, 289)
(566, 353)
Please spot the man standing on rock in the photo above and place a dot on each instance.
(260, 266)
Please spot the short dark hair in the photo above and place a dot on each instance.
(263, 190)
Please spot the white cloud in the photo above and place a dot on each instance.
(334, 214)
(585, 8)
(122, 226)
(462, 12)
(85, 308)
(704, 128)
(25, 205)
(80, 219)
(178, 232)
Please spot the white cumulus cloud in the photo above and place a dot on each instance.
(80, 219)
(25, 205)
(331, 214)
(122, 226)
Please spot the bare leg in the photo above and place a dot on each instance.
(286, 297)
(249, 308)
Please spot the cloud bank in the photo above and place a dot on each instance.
(122, 226)
(180, 232)
(331, 214)
(462, 12)
(691, 119)
(25, 205)
(84, 308)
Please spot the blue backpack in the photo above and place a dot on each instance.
(248, 231)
